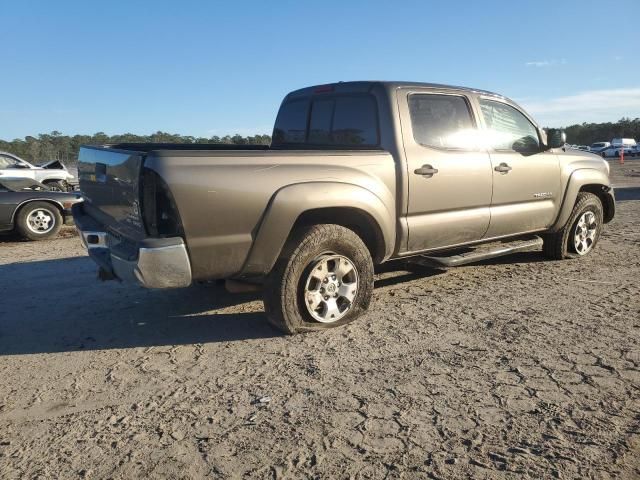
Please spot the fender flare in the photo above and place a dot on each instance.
(288, 203)
(577, 180)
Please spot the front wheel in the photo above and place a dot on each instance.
(38, 221)
(323, 279)
(580, 234)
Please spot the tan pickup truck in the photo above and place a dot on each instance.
(358, 173)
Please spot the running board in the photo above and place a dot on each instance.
(477, 254)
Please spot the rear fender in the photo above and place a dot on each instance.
(290, 202)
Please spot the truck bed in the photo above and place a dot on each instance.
(223, 195)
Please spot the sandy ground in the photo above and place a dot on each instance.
(518, 368)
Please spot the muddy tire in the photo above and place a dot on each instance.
(323, 279)
(38, 221)
(580, 234)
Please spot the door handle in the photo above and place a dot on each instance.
(426, 170)
(503, 168)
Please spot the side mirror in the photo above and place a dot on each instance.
(556, 138)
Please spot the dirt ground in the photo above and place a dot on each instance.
(516, 368)
(626, 174)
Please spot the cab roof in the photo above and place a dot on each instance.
(389, 86)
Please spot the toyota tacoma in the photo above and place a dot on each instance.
(357, 174)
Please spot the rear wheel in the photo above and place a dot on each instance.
(38, 221)
(323, 279)
(580, 234)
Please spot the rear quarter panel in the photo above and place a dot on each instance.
(223, 197)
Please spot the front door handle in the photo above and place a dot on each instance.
(426, 170)
(503, 168)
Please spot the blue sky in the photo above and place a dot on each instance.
(212, 68)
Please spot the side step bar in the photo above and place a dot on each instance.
(482, 252)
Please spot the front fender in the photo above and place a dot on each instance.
(290, 202)
(579, 179)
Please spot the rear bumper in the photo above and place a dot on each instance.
(153, 263)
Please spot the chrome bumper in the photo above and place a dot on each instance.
(164, 266)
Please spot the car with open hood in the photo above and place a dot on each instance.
(54, 174)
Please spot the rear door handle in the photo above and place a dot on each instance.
(426, 170)
(503, 168)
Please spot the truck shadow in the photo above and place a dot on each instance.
(14, 237)
(60, 306)
(627, 194)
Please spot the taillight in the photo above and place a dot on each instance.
(159, 211)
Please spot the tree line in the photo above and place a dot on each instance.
(56, 146)
(588, 133)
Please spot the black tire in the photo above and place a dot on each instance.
(57, 185)
(557, 245)
(284, 292)
(27, 230)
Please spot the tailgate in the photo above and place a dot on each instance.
(109, 181)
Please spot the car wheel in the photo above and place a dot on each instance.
(323, 279)
(57, 185)
(38, 221)
(580, 234)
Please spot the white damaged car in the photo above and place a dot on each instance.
(53, 174)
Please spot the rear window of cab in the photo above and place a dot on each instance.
(338, 121)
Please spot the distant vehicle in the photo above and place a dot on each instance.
(53, 174)
(599, 145)
(613, 151)
(623, 141)
(584, 148)
(32, 209)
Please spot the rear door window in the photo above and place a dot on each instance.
(442, 121)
